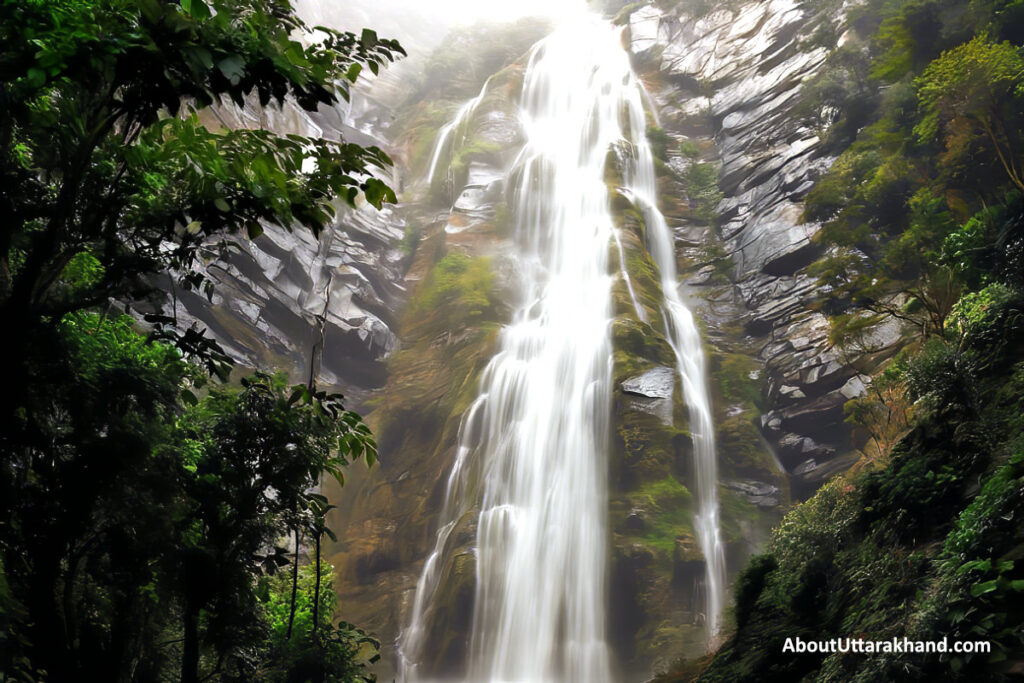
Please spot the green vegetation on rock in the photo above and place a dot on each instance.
(924, 545)
(459, 285)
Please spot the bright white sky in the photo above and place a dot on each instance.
(423, 23)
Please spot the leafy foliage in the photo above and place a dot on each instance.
(936, 145)
(139, 504)
(331, 653)
(104, 153)
(135, 504)
(925, 545)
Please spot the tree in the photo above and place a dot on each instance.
(133, 523)
(901, 274)
(317, 650)
(103, 155)
(253, 459)
(121, 532)
(87, 505)
(976, 89)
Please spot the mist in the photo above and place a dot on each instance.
(420, 26)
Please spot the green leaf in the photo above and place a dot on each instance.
(196, 8)
(377, 193)
(983, 587)
(353, 71)
(36, 77)
(233, 68)
(222, 205)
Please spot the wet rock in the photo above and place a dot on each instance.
(810, 475)
(751, 65)
(636, 521)
(806, 467)
(661, 408)
(286, 291)
(687, 562)
(853, 388)
(658, 382)
(702, 276)
(651, 393)
(795, 450)
(758, 493)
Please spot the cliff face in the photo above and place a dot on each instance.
(285, 292)
(739, 74)
(408, 301)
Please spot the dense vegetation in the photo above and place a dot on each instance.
(147, 510)
(923, 221)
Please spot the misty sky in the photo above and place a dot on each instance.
(423, 23)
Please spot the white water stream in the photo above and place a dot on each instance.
(532, 455)
(454, 131)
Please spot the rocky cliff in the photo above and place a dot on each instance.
(734, 77)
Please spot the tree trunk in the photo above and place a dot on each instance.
(295, 585)
(316, 588)
(190, 654)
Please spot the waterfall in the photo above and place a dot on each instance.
(684, 338)
(532, 452)
(452, 129)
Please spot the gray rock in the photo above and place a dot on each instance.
(758, 493)
(637, 520)
(702, 276)
(806, 467)
(657, 382)
(853, 388)
(285, 291)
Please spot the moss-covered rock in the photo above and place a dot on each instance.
(446, 648)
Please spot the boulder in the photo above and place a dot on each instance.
(657, 382)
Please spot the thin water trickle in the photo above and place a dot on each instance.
(532, 455)
(454, 132)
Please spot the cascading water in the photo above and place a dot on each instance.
(532, 453)
(450, 131)
(684, 337)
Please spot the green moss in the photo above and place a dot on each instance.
(668, 508)
(741, 452)
(451, 324)
(736, 513)
(474, 150)
(647, 447)
(638, 347)
(461, 285)
(421, 130)
(730, 377)
(411, 238)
